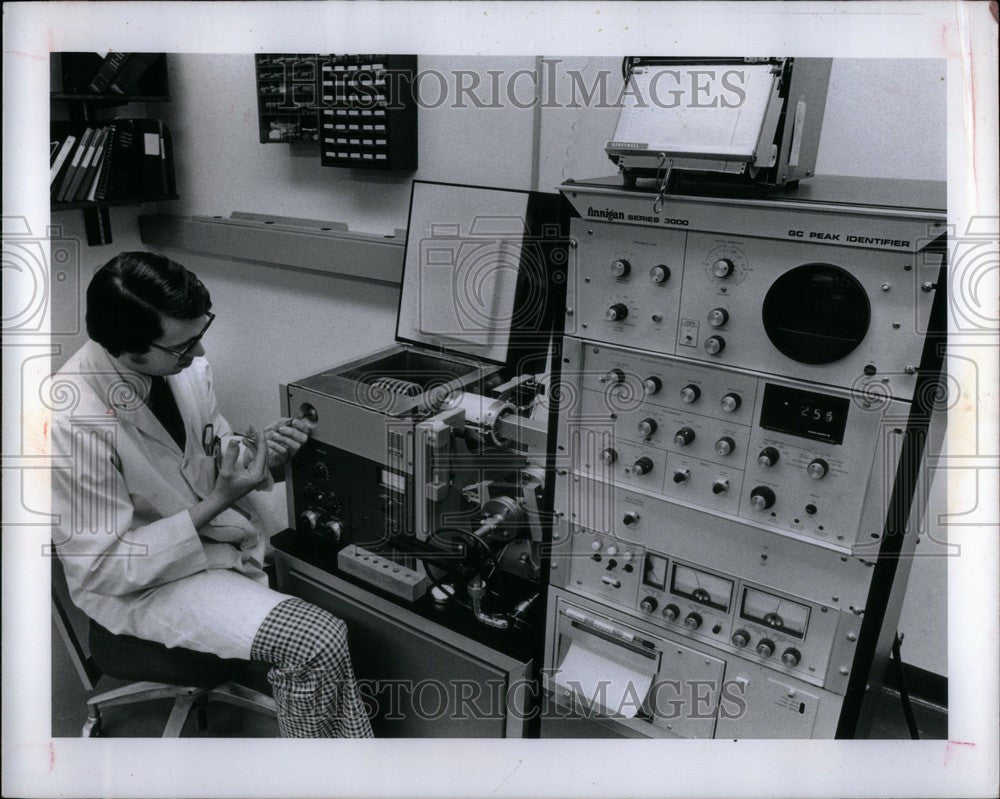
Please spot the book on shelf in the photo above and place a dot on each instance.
(74, 167)
(126, 159)
(113, 62)
(61, 159)
(131, 72)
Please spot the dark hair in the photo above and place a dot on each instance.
(129, 293)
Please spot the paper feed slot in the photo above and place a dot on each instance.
(610, 670)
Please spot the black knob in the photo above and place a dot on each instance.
(682, 475)
(321, 470)
(660, 273)
(765, 647)
(690, 393)
(717, 317)
(714, 345)
(791, 657)
(725, 445)
(308, 521)
(614, 377)
(723, 267)
(308, 412)
(616, 312)
(670, 612)
(630, 518)
(332, 528)
(648, 604)
(684, 436)
(652, 384)
(643, 466)
(720, 486)
(740, 638)
(647, 427)
(692, 621)
(621, 268)
(762, 498)
(730, 402)
(768, 457)
(817, 469)
(609, 456)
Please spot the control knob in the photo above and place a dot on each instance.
(596, 545)
(614, 377)
(730, 402)
(762, 498)
(817, 469)
(320, 470)
(791, 657)
(714, 345)
(659, 273)
(308, 520)
(642, 466)
(717, 317)
(741, 638)
(765, 647)
(649, 604)
(621, 268)
(647, 427)
(630, 518)
(722, 267)
(725, 445)
(670, 612)
(692, 621)
(690, 393)
(684, 436)
(768, 457)
(609, 456)
(616, 312)
(652, 384)
(682, 475)
(332, 528)
(720, 486)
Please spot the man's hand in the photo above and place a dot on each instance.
(237, 479)
(284, 438)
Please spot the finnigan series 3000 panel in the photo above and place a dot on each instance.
(743, 408)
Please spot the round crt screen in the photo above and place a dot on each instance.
(816, 313)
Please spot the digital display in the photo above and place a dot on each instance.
(704, 588)
(775, 612)
(654, 573)
(819, 417)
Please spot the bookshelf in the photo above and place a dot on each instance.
(77, 106)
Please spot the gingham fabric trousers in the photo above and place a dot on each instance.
(311, 674)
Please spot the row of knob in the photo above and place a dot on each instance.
(621, 268)
(713, 345)
(765, 648)
(689, 394)
(741, 638)
(312, 521)
(817, 468)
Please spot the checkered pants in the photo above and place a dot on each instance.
(311, 674)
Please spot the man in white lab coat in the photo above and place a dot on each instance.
(162, 515)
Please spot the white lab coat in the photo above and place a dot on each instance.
(121, 491)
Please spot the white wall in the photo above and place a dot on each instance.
(883, 119)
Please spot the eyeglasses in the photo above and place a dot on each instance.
(182, 354)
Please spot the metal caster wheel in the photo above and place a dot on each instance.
(92, 728)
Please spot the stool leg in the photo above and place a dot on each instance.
(178, 715)
(201, 713)
(92, 726)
